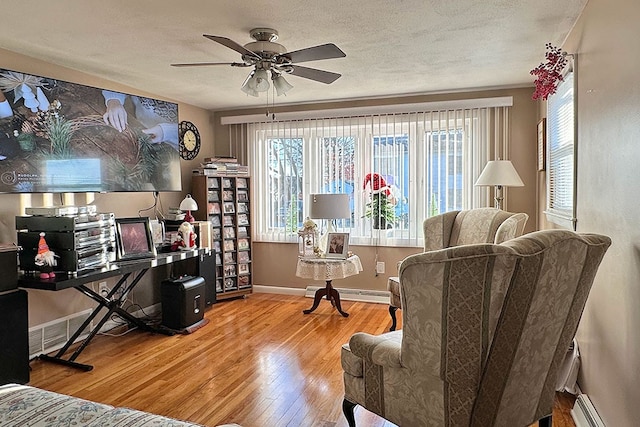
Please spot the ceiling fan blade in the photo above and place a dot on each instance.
(315, 53)
(314, 74)
(232, 45)
(206, 64)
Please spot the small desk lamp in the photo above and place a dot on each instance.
(329, 207)
(499, 173)
(188, 205)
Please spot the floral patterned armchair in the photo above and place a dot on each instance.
(486, 327)
(455, 228)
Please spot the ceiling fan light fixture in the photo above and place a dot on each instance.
(282, 86)
(248, 89)
(259, 81)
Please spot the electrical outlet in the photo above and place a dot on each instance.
(103, 289)
(380, 267)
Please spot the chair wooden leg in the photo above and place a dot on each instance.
(392, 313)
(347, 409)
(545, 422)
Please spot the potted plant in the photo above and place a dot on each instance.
(381, 207)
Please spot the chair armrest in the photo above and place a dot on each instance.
(381, 350)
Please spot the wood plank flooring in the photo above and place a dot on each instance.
(259, 362)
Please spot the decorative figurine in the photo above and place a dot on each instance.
(188, 236)
(45, 259)
(308, 239)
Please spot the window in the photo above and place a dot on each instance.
(427, 163)
(561, 192)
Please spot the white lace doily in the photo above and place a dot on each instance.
(328, 268)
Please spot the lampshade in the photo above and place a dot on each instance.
(501, 173)
(282, 86)
(188, 204)
(329, 206)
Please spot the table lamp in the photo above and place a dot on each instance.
(499, 173)
(188, 205)
(329, 207)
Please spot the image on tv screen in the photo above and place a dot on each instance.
(57, 136)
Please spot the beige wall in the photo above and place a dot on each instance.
(605, 39)
(274, 264)
(45, 306)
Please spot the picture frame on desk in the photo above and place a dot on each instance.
(134, 239)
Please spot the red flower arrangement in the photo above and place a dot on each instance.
(549, 73)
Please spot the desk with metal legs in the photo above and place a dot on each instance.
(328, 269)
(111, 302)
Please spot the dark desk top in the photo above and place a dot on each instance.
(64, 281)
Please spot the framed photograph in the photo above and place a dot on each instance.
(542, 143)
(337, 245)
(134, 239)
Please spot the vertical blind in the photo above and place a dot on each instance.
(427, 163)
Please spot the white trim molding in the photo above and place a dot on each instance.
(584, 414)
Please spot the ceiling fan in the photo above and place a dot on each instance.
(266, 56)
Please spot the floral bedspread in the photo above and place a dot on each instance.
(25, 406)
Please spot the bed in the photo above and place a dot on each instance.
(26, 406)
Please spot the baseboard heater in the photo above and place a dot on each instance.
(361, 295)
(584, 414)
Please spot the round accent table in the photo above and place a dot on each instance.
(328, 269)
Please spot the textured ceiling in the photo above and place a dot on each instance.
(393, 47)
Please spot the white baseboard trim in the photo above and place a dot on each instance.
(584, 414)
(278, 290)
(346, 294)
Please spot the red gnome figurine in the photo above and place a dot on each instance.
(45, 259)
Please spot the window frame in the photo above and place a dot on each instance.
(562, 145)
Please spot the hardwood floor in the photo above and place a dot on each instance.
(259, 362)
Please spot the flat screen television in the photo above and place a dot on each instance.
(62, 137)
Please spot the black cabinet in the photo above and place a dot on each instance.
(14, 337)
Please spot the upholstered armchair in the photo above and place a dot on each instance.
(455, 228)
(485, 329)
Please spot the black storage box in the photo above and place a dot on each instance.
(182, 301)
